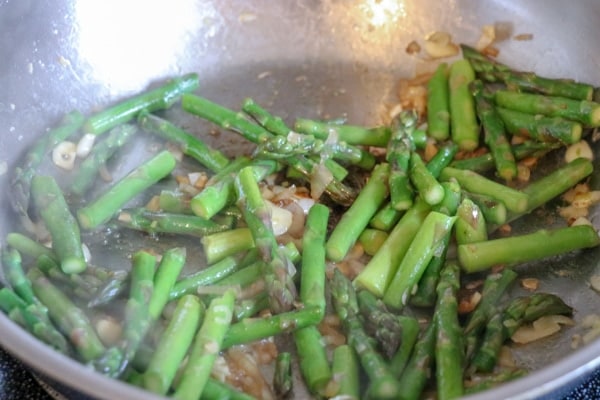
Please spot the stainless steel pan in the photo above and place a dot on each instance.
(303, 58)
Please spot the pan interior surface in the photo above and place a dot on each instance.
(309, 58)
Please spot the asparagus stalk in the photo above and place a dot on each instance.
(168, 270)
(493, 71)
(449, 355)
(190, 145)
(385, 218)
(539, 127)
(425, 295)
(28, 317)
(494, 132)
(486, 356)
(442, 158)
(470, 226)
(101, 153)
(160, 98)
(512, 250)
(21, 181)
(207, 276)
(399, 150)
(585, 111)
(227, 243)
(137, 309)
(380, 270)
(514, 200)
(13, 271)
(215, 389)
(485, 162)
(410, 334)
(357, 217)
(438, 107)
(251, 329)
(312, 358)
(206, 347)
(69, 319)
(53, 208)
(173, 345)
(111, 289)
(312, 278)
(248, 308)
(380, 323)
(345, 372)
(371, 240)
(28, 247)
(426, 243)
(383, 385)
(154, 222)
(463, 121)
(417, 371)
(423, 180)
(282, 377)
(280, 269)
(494, 211)
(141, 178)
(219, 190)
(174, 201)
(354, 135)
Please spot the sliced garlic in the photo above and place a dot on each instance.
(580, 149)
(541, 328)
(64, 154)
(488, 36)
(439, 45)
(109, 330)
(85, 145)
(281, 219)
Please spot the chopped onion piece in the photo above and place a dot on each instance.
(305, 203)
(85, 145)
(577, 150)
(281, 219)
(109, 330)
(319, 180)
(595, 282)
(64, 154)
(87, 255)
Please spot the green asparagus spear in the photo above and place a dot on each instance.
(449, 357)
(282, 377)
(380, 323)
(470, 226)
(493, 71)
(312, 358)
(174, 344)
(250, 329)
(380, 270)
(357, 217)
(345, 372)
(141, 178)
(513, 199)
(312, 278)
(13, 271)
(423, 180)
(410, 334)
(21, 181)
(168, 270)
(28, 247)
(160, 98)
(494, 132)
(539, 127)
(463, 122)
(585, 111)
(87, 171)
(399, 150)
(280, 269)
(144, 220)
(227, 243)
(53, 208)
(494, 211)
(419, 367)
(206, 347)
(385, 218)
(69, 319)
(438, 107)
(215, 389)
(382, 385)
(442, 158)
(512, 250)
(484, 360)
(372, 239)
(137, 310)
(526, 309)
(355, 135)
(427, 242)
(20, 312)
(190, 145)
